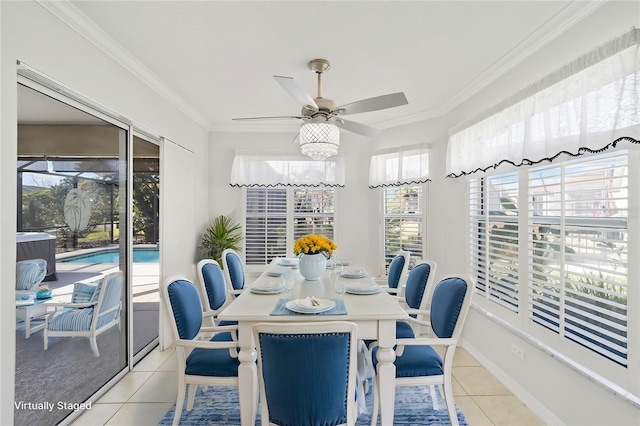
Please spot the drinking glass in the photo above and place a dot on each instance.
(288, 280)
(338, 282)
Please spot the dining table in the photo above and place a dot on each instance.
(375, 313)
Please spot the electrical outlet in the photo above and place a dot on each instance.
(517, 351)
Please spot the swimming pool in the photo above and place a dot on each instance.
(140, 255)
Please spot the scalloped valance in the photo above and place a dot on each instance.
(272, 169)
(401, 166)
(590, 105)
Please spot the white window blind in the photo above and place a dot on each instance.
(494, 236)
(403, 221)
(275, 217)
(578, 252)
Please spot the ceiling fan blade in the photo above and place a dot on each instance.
(280, 117)
(358, 128)
(295, 91)
(374, 104)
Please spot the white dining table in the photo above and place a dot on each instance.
(375, 315)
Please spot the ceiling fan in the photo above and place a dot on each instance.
(321, 110)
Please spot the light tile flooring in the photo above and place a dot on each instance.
(143, 396)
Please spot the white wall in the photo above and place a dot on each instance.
(31, 34)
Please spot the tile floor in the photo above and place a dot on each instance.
(143, 396)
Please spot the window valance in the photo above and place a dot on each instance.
(402, 166)
(588, 106)
(285, 169)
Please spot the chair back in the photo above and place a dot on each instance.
(212, 284)
(30, 273)
(449, 306)
(182, 301)
(233, 269)
(109, 295)
(398, 269)
(419, 285)
(307, 372)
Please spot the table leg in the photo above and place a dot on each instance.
(247, 377)
(386, 370)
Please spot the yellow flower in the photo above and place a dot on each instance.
(314, 244)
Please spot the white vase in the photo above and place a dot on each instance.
(312, 266)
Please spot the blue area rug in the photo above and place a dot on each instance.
(414, 406)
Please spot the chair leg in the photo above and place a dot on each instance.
(46, 339)
(376, 401)
(180, 401)
(191, 396)
(94, 345)
(451, 406)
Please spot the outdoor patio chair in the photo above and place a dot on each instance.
(233, 272)
(213, 291)
(30, 273)
(200, 362)
(417, 363)
(307, 372)
(94, 309)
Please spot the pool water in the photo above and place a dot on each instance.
(113, 256)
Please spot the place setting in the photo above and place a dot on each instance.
(309, 305)
(357, 281)
(290, 262)
(269, 285)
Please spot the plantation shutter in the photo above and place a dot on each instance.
(494, 233)
(403, 221)
(265, 224)
(578, 252)
(313, 212)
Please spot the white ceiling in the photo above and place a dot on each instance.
(215, 59)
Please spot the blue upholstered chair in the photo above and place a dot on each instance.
(417, 298)
(200, 362)
(417, 363)
(307, 372)
(213, 291)
(30, 273)
(397, 273)
(94, 309)
(233, 272)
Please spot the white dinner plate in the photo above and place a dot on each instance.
(259, 290)
(266, 286)
(354, 274)
(277, 271)
(361, 291)
(325, 305)
(291, 262)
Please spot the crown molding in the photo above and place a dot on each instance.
(79, 22)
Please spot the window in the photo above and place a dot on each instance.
(572, 261)
(494, 233)
(578, 252)
(275, 217)
(403, 221)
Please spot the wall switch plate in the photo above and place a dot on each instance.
(517, 351)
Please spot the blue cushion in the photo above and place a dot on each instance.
(213, 362)
(416, 361)
(82, 292)
(305, 377)
(446, 304)
(96, 293)
(236, 272)
(221, 323)
(214, 285)
(403, 331)
(71, 319)
(416, 285)
(395, 270)
(186, 307)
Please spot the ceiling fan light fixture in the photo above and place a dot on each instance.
(319, 140)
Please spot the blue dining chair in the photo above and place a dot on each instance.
(213, 291)
(233, 272)
(200, 362)
(417, 363)
(307, 372)
(397, 273)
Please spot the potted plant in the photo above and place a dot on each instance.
(313, 250)
(223, 233)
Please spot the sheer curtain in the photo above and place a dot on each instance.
(591, 104)
(401, 166)
(270, 169)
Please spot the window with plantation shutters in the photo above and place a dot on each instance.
(275, 217)
(494, 238)
(577, 258)
(403, 221)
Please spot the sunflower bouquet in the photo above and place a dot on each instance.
(314, 244)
